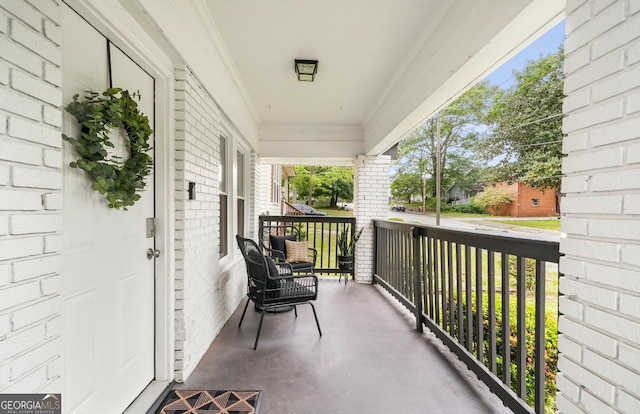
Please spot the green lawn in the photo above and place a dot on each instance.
(552, 224)
(335, 212)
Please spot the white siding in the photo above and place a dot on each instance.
(259, 188)
(600, 323)
(30, 197)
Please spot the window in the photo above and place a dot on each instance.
(223, 174)
(275, 184)
(240, 192)
(535, 202)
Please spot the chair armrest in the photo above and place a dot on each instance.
(285, 270)
(276, 255)
(313, 254)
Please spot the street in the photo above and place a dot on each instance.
(474, 223)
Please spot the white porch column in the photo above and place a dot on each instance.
(371, 201)
(599, 326)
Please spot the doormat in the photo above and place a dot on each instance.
(210, 402)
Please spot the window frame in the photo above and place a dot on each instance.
(238, 176)
(230, 228)
(276, 178)
(224, 176)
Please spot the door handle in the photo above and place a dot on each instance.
(152, 253)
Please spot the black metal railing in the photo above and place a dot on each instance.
(455, 282)
(322, 234)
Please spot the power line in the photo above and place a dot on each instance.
(538, 144)
(535, 121)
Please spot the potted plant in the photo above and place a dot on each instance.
(346, 247)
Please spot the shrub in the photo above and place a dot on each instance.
(469, 209)
(551, 345)
(493, 199)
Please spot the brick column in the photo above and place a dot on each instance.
(599, 326)
(371, 201)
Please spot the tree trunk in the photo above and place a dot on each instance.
(310, 198)
(423, 191)
(333, 203)
(434, 160)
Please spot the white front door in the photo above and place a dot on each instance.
(108, 282)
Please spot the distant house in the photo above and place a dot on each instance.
(277, 177)
(528, 201)
(461, 194)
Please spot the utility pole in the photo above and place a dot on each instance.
(438, 167)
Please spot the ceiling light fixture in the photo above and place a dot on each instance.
(306, 69)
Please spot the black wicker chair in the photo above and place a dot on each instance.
(273, 241)
(271, 286)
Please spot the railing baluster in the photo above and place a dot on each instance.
(415, 240)
(443, 283)
(459, 300)
(479, 310)
(432, 302)
(408, 255)
(540, 339)
(436, 281)
(506, 328)
(387, 254)
(521, 290)
(491, 290)
(452, 319)
(468, 307)
(396, 270)
(425, 272)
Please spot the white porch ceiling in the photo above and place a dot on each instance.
(359, 45)
(384, 65)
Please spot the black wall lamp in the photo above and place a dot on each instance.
(306, 70)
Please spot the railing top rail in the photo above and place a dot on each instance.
(317, 219)
(531, 246)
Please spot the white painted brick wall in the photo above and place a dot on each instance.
(30, 198)
(599, 344)
(371, 201)
(205, 296)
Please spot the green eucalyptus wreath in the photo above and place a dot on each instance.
(121, 181)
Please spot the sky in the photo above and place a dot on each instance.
(503, 76)
(544, 45)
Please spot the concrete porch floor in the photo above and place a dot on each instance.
(370, 359)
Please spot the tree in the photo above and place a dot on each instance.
(324, 182)
(335, 183)
(460, 126)
(405, 185)
(527, 126)
(493, 199)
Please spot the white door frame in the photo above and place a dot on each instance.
(110, 18)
